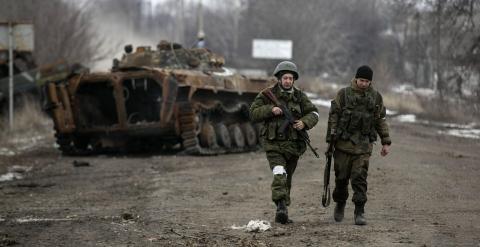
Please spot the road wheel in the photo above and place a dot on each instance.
(237, 136)
(250, 134)
(223, 135)
(65, 143)
(207, 135)
(81, 143)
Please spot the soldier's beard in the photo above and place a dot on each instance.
(284, 88)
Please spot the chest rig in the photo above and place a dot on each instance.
(293, 102)
(357, 119)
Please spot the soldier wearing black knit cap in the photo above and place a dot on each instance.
(356, 118)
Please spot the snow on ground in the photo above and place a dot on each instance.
(459, 130)
(466, 133)
(10, 176)
(26, 143)
(32, 219)
(21, 144)
(6, 152)
(321, 102)
(15, 172)
(409, 89)
(406, 118)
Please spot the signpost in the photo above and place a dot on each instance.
(18, 37)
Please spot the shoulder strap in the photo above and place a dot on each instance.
(301, 102)
(267, 92)
(375, 96)
(343, 97)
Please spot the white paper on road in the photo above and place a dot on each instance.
(254, 226)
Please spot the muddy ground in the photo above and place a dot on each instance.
(425, 193)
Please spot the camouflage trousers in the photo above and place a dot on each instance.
(282, 183)
(353, 167)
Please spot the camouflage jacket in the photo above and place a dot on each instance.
(356, 117)
(301, 108)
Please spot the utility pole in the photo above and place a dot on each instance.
(200, 20)
(180, 23)
(10, 75)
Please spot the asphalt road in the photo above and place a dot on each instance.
(425, 193)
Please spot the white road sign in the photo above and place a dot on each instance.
(272, 48)
(22, 36)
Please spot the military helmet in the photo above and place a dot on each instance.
(201, 34)
(286, 66)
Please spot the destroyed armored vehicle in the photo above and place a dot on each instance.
(169, 97)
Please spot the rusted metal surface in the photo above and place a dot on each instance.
(154, 99)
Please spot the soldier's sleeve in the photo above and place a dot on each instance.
(261, 109)
(310, 112)
(333, 116)
(381, 122)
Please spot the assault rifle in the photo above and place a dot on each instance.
(326, 196)
(289, 119)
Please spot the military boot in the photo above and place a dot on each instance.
(282, 214)
(339, 211)
(359, 218)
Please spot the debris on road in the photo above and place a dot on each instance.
(6, 240)
(127, 216)
(77, 163)
(254, 226)
(34, 185)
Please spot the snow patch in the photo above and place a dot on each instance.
(316, 100)
(21, 144)
(403, 88)
(408, 89)
(27, 142)
(321, 102)
(407, 118)
(15, 173)
(459, 130)
(466, 133)
(225, 72)
(30, 219)
(390, 112)
(10, 176)
(20, 169)
(6, 152)
(311, 95)
(254, 226)
(424, 92)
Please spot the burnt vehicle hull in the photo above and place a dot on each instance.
(149, 109)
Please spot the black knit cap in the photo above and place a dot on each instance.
(364, 72)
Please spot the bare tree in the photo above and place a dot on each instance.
(62, 30)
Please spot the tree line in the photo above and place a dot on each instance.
(428, 43)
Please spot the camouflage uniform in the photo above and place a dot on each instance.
(356, 117)
(283, 149)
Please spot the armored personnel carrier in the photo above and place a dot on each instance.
(168, 97)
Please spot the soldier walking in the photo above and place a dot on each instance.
(283, 148)
(357, 115)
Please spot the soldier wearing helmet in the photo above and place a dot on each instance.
(200, 43)
(357, 116)
(283, 149)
